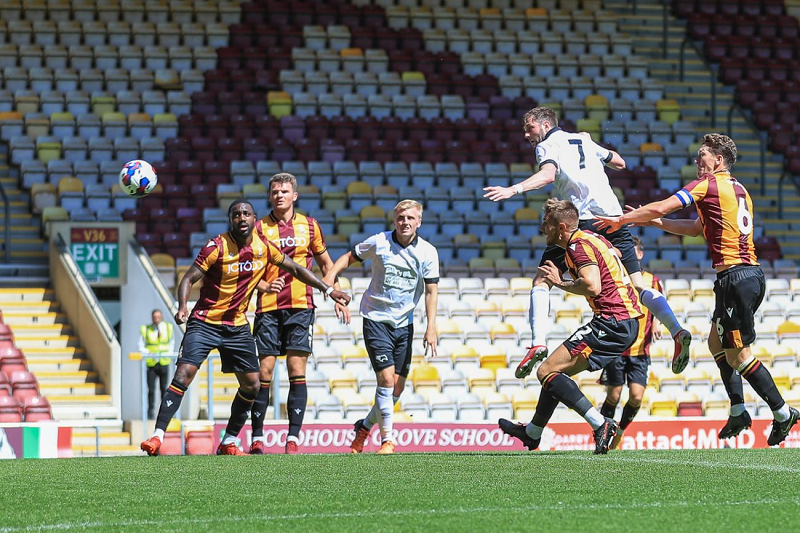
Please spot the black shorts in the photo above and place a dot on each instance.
(602, 340)
(621, 239)
(627, 369)
(237, 348)
(389, 346)
(282, 330)
(739, 291)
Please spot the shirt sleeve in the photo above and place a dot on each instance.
(547, 154)
(581, 255)
(208, 255)
(430, 268)
(317, 244)
(366, 249)
(603, 154)
(276, 257)
(694, 191)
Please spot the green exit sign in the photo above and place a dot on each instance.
(96, 252)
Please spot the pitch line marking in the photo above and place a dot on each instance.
(410, 512)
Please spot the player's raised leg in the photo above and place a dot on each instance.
(761, 380)
(655, 301)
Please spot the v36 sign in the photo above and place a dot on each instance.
(96, 251)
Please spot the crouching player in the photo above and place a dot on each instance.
(598, 275)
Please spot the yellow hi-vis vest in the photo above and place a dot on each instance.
(154, 344)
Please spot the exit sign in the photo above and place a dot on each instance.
(96, 251)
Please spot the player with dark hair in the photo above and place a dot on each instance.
(285, 320)
(633, 366)
(575, 165)
(599, 275)
(232, 266)
(725, 219)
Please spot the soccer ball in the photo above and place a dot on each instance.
(138, 178)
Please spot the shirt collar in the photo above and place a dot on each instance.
(275, 220)
(549, 133)
(572, 236)
(412, 243)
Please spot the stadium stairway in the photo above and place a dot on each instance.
(66, 377)
(27, 244)
(694, 96)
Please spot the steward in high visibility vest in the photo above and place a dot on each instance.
(157, 339)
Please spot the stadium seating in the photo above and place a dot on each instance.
(368, 104)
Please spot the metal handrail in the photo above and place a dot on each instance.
(7, 206)
(710, 71)
(761, 141)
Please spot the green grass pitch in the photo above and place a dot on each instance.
(713, 490)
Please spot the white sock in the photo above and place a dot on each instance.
(372, 418)
(159, 433)
(383, 399)
(539, 314)
(534, 432)
(782, 414)
(228, 439)
(657, 304)
(594, 418)
(292, 438)
(738, 409)
(744, 365)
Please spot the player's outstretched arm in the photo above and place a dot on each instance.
(642, 216)
(308, 277)
(431, 339)
(338, 267)
(587, 284)
(617, 162)
(326, 265)
(545, 176)
(192, 276)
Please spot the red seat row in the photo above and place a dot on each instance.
(343, 128)
(749, 8)
(28, 409)
(280, 13)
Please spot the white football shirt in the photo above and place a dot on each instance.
(580, 174)
(399, 276)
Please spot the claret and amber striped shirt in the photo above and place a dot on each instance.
(726, 211)
(231, 275)
(301, 239)
(617, 296)
(641, 346)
